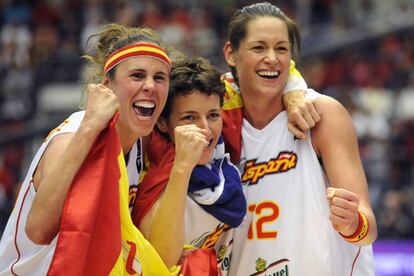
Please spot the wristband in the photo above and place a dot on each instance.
(361, 231)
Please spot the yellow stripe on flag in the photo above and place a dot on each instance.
(130, 261)
(293, 69)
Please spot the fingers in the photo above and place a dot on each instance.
(101, 105)
(100, 91)
(303, 117)
(343, 211)
(191, 133)
(341, 223)
(297, 132)
(309, 112)
(343, 208)
(313, 112)
(190, 142)
(342, 193)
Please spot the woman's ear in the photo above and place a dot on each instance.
(105, 81)
(229, 54)
(162, 125)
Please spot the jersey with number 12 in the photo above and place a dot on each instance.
(287, 230)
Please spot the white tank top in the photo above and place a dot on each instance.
(18, 254)
(202, 230)
(287, 230)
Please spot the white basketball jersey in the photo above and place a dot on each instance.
(287, 230)
(18, 254)
(202, 230)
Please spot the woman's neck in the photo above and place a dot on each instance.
(126, 140)
(259, 112)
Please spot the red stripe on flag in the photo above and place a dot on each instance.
(89, 241)
(232, 126)
(130, 259)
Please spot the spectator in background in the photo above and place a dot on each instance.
(17, 99)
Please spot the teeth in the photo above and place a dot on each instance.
(146, 104)
(268, 73)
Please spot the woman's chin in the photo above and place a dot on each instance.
(205, 158)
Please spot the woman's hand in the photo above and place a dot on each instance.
(168, 211)
(302, 114)
(101, 106)
(190, 142)
(343, 210)
(61, 161)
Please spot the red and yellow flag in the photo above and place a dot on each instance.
(97, 236)
(233, 110)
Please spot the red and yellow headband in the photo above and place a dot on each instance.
(134, 50)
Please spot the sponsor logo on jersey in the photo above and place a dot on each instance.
(277, 268)
(224, 257)
(253, 171)
(212, 238)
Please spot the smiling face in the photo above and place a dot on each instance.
(198, 109)
(262, 59)
(141, 85)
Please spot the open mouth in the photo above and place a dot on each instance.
(267, 74)
(144, 108)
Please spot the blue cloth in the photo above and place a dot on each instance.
(217, 188)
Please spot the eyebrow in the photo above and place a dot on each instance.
(187, 112)
(264, 43)
(163, 73)
(146, 71)
(196, 112)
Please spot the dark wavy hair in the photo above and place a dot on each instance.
(190, 74)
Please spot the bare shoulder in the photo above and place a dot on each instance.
(333, 113)
(335, 125)
(54, 149)
(327, 105)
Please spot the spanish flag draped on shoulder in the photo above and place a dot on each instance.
(97, 236)
(232, 117)
(233, 109)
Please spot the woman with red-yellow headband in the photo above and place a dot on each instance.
(128, 74)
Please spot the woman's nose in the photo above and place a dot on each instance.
(271, 57)
(204, 124)
(149, 84)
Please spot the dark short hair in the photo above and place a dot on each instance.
(190, 74)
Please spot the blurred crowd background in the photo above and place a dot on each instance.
(360, 52)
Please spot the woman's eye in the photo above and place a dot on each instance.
(188, 118)
(282, 49)
(138, 75)
(160, 78)
(214, 116)
(257, 48)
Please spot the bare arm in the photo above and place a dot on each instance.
(302, 114)
(164, 225)
(60, 163)
(335, 140)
